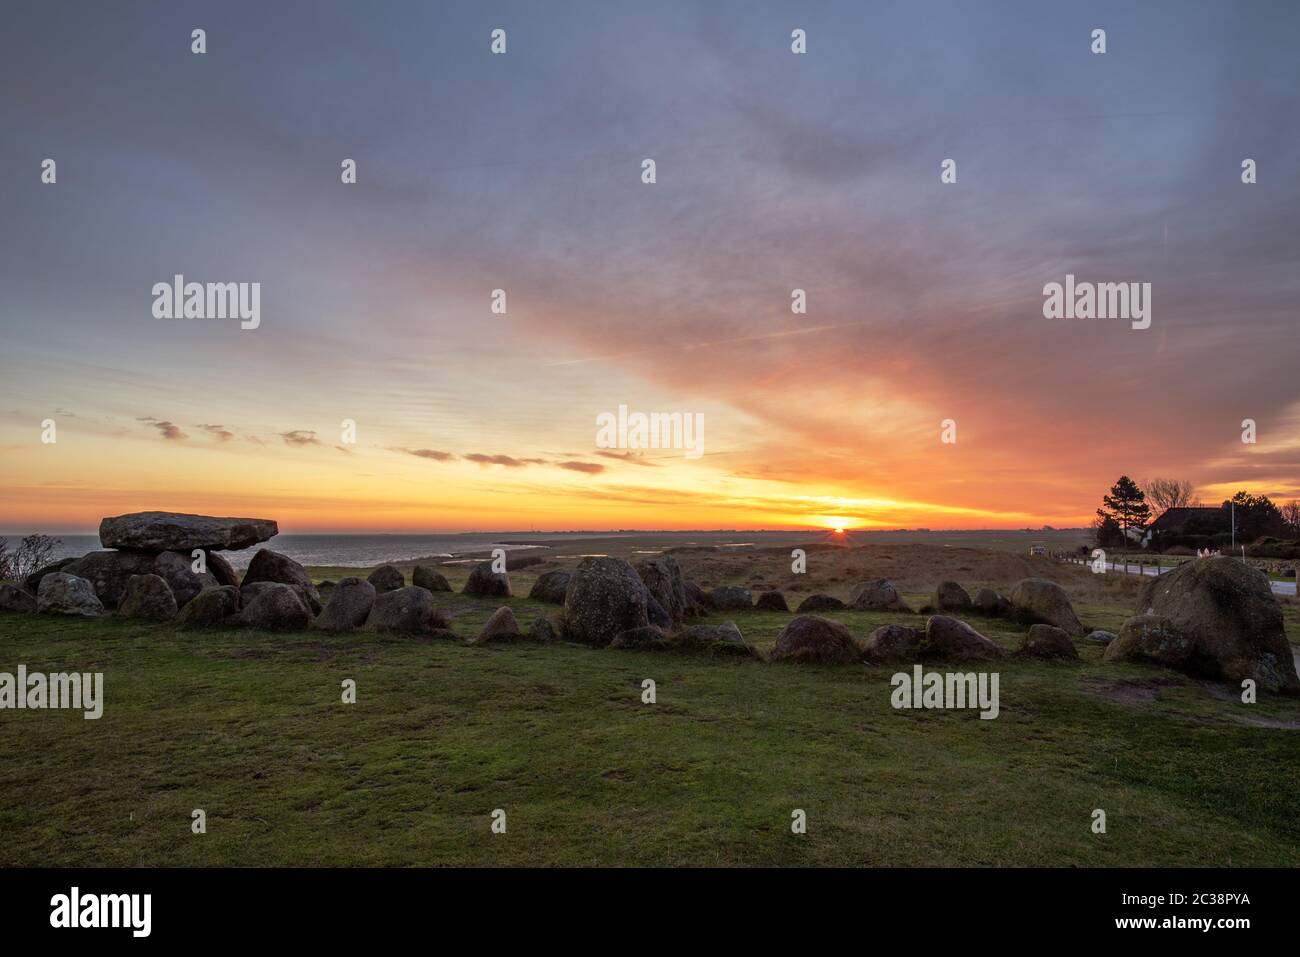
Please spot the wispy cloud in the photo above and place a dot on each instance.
(169, 430)
(590, 468)
(220, 432)
(300, 437)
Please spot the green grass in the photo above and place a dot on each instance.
(250, 727)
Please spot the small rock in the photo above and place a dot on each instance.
(1037, 600)
(485, 583)
(771, 601)
(543, 630)
(13, 598)
(950, 596)
(1105, 637)
(819, 603)
(893, 643)
(429, 578)
(386, 578)
(1047, 641)
(1151, 638)
(991, 603)
(880, 594)
(731, 598)
(641, 637)
(501, 626)
(550, 587)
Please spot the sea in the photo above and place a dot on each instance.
(363, 551)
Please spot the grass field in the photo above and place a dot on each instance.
(250, 727)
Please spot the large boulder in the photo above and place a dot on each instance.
(108, 572)
(950, 596)
(819, 603)
(1039, 601)
(811, 639)
(32, 582)
(1233, 620)
(269, 566)
(386, 578)
(178, 572)
(429, 578)
(485, 583)
(893, 643)
(249, 593)
(210, 608)
(1047, 641)
(501, 626)
(64, 594)
(149, 597)
(605, 596)
(408, 610)
(349, 606)
(13, 598)
(731, 598)
(771, 601)
(663, 579)
(879, 594)
(275, 605)
(948, 639)
(181, 532)
(551, 586)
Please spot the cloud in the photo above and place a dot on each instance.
(591, 468)
(169, 430)
(435, 454)
(506, 460)
(630, 459)
(300, 437)
(222, 433)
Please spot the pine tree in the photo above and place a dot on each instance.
(1126, 505)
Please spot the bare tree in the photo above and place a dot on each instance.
(1291, 515)
(32, 552)
(1167, 493)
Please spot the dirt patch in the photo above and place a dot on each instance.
(1129, 690)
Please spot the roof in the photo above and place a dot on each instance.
(1181, 515)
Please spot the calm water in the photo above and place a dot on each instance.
(359, 551)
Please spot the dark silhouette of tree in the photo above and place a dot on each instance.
(1256, 516)
(1126, 506)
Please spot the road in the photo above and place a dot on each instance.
(1279, 588)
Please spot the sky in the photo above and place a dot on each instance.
(522, 171)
